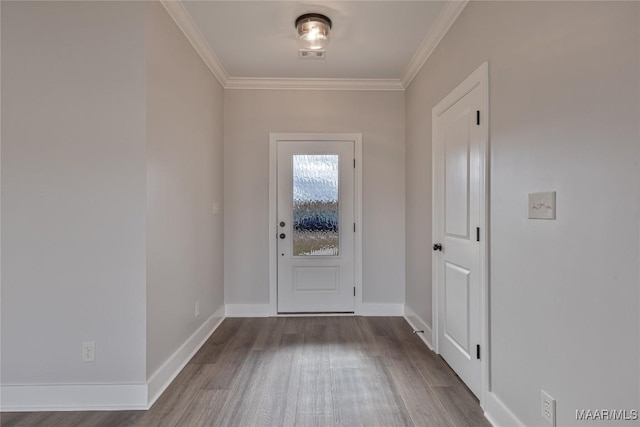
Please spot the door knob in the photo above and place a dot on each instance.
(437, 247)
(282, 235)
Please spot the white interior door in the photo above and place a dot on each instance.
(315, 199)
(457, 142)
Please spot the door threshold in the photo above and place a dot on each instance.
(316, 314)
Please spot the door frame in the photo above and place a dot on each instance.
(479, 78)
(273, 209)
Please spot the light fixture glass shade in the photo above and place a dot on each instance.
(313, 31)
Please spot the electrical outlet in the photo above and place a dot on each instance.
(89, 351)
(197, 311)
(548, 407)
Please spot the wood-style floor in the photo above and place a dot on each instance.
(300, 371)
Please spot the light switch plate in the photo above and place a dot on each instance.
(215, 209)
(542, 205)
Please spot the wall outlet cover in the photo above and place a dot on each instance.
(88, 351)
(548, 408)
(542, 205)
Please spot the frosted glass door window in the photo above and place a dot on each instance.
(315, 205)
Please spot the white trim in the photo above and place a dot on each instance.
(273, 211)
(180, 15)
(381, 309)
(498, 414)
(313, 84)
(273, 218)
(266, 310)
(178, 12)
(73, 397)
(418, 324)
(316, 315)
(485, 310)
(249, 310)
(165, 374)
(1, 398)
(108, 397)
(479, 78)
(357, 260)
(450, 12)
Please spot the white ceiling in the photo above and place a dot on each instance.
(369, 40)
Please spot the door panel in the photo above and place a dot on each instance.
(457, 175)
(457, 138)
(315, 226)
(456, 295)
(316, 279)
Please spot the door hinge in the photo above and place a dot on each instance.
(478, 351)
(478, 117)
(354, 291)
(477, 234)
(354, 163)
(354, 227)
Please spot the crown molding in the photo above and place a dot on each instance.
(313, 84)
(445, 20)
(184, 21)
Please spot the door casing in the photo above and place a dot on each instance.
(479, 78)
(273, 209)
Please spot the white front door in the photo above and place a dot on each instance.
(315, 181)
(458, 159)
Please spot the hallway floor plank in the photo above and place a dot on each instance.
(299, 371)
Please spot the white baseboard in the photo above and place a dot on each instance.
(165, 374)
(249, 310)
(266, 310)
(375, 309)
(497, 413)
(73, 397)
(140, 396)
(107, 397)
(418, 324)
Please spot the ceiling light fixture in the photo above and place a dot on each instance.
(313, 31)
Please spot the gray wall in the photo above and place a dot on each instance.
(564, 116)
(184, 179)
(73, 191)
(250, 115)
(111, 162)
